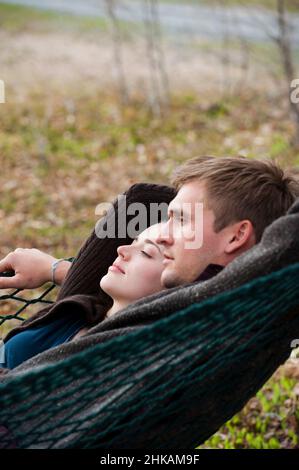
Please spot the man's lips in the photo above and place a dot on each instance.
(116, 267)
(167, 259)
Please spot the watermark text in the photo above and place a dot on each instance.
(2, 92)
(294, 96)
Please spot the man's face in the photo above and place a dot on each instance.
(190, 243)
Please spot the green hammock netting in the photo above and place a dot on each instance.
(170, 384)
(23, 301)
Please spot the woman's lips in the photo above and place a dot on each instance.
(114, 268)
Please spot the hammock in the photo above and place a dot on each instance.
(172, 383)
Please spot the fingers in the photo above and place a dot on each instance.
(31, 268)
(11, 282)
(10, 262)
(5, 264)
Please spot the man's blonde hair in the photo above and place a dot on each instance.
(239, 188)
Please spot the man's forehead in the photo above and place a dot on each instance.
(190, 192)
(192, 189)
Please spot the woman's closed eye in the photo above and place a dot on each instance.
(149, 245)
(146, 254)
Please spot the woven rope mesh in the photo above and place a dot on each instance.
(22, 302)
(170, 384)
(16, 305)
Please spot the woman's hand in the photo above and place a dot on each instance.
(32, 269)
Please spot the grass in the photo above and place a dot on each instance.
(291, 5)
(18, 18)
(76, 151)
(268, 421)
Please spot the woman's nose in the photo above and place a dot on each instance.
(123, 251)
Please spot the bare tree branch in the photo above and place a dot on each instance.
(154, 94)
(159, 83)
(161, 63)
(118, 51)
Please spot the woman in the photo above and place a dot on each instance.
(135, 273)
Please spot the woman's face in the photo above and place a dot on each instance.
(137, 270)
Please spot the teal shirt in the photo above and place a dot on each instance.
(34, 340)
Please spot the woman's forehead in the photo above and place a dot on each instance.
(150, 232)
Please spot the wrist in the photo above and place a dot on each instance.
(59, 269)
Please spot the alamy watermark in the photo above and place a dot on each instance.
(294, 96)
(187, 225)
(295, 348)
(2, 92)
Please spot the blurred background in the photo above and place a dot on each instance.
(101, 94)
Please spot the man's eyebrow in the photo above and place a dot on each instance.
(147, 240)
(178, 211)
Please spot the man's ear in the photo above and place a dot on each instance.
(240, 236)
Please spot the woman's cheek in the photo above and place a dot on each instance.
(155, 277)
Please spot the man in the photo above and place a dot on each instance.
(239, 198)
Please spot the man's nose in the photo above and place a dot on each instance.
(165, 235)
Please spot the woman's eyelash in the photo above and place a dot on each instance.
(145, 254)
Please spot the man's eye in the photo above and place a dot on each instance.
(180, 218)
(145, 254)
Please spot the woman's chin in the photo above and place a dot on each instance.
(104, 283)
(109, 285)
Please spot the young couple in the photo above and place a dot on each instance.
(240, 197)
